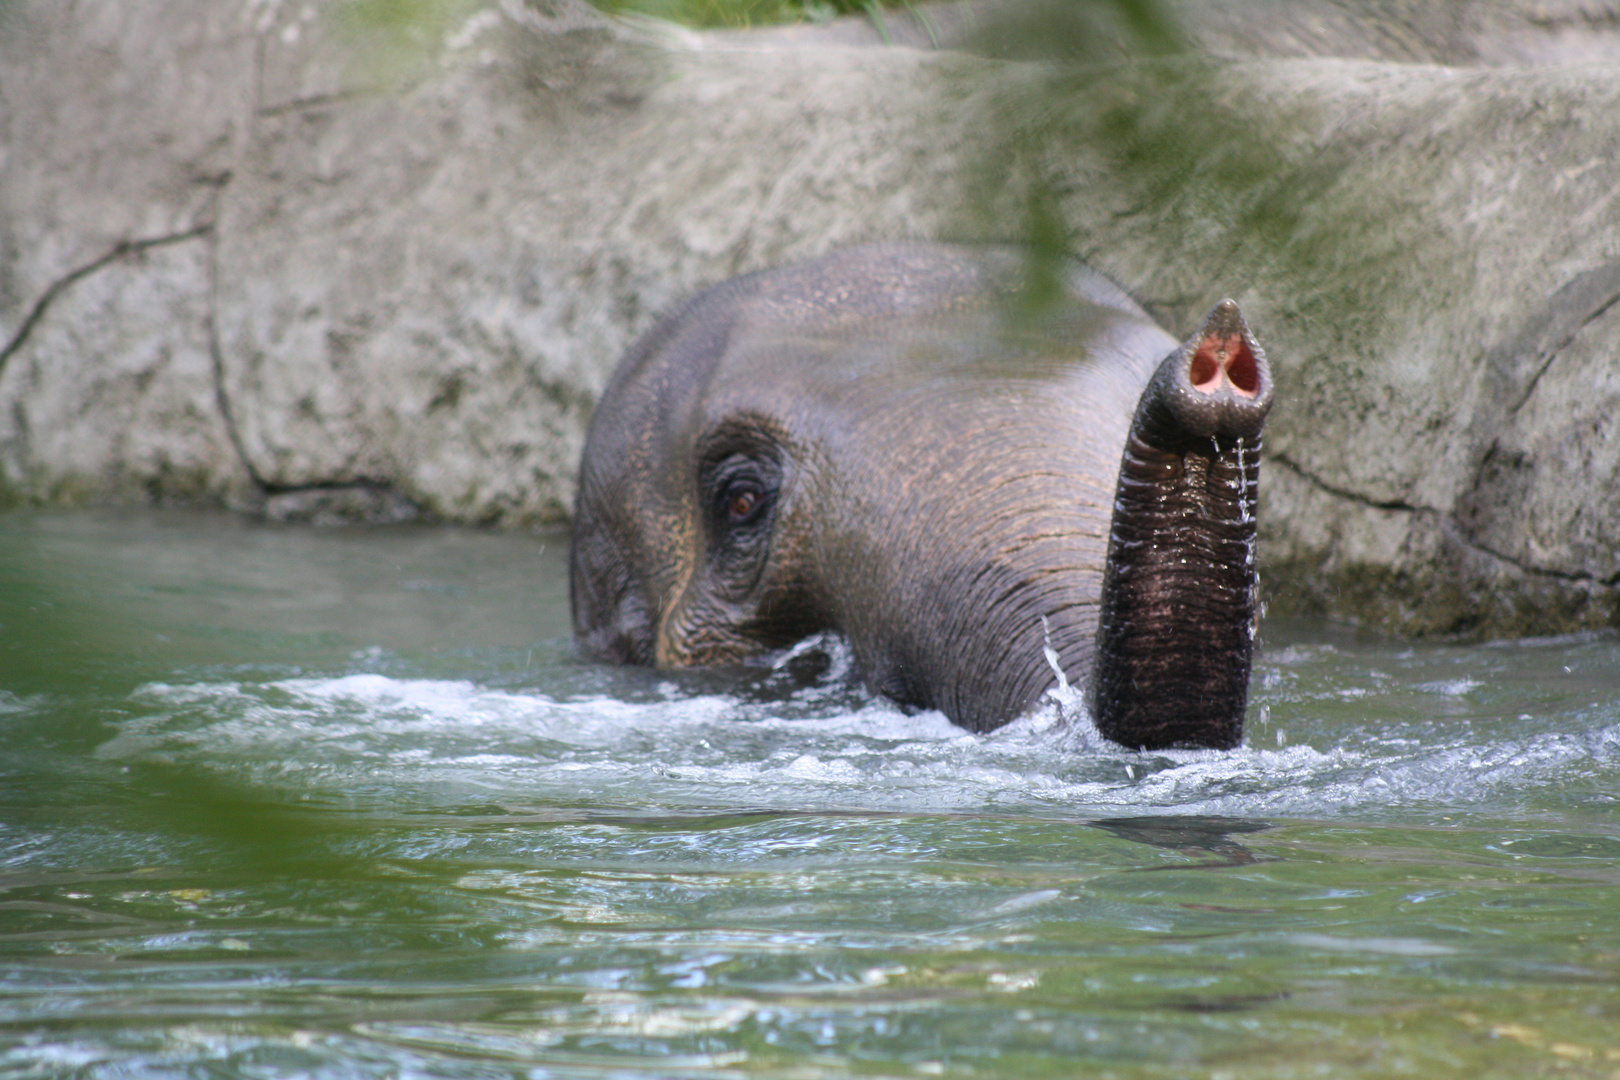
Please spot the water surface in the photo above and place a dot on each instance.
(289, 802)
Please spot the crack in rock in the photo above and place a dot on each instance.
(216, 355)
(1574, 307)
(1344, 493)
(121, 250)
(1452, 527)
(1580, 576)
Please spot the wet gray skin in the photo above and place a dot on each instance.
(891, 442)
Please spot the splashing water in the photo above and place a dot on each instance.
(345, 804)
(1240, 485)
(830, 746)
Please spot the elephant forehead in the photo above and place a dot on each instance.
(914, 398)
(971, 339)
(965, 451)
(975, 340)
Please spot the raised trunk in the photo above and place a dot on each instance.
(1176, 629)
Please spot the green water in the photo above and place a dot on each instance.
(284, 802)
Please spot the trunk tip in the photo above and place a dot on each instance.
(1219, 381)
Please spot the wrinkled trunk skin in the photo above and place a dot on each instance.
(1176, 629)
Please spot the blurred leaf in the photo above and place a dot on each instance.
(739, 14)
(1077, 30)
(395, 38)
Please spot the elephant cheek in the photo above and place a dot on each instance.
(698, 632)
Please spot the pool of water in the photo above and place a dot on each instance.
(279, 801)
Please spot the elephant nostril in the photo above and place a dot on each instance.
(1205, 373)
(1243, 372)
(1227, 355)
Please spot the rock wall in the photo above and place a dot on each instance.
(1432, 256)
(260, 253)
(237, 268)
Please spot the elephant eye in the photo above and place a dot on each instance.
(739, 486)
(742, 505)
(743, 500)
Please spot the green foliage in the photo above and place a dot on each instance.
(394, 39)
(1083, 31)
(1044, 27)
(421, 21)
(738, 14)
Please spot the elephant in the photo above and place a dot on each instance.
(980, 482)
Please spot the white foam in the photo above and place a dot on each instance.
(16, 704)
(1451, 687)
(364, 732)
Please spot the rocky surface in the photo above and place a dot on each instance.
(261, 253)
(1433, 257)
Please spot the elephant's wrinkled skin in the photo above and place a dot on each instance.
(894, 442)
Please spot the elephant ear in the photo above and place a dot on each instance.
(1176, 630)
